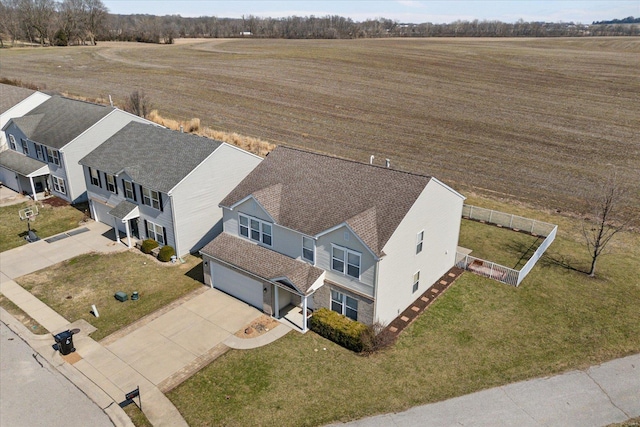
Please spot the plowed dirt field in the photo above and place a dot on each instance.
(537, 120)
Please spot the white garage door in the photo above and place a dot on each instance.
(237, 285)
(8, 179)
(102, 212)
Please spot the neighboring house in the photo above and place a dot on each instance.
(15, 102)
(151, 182)
(16, 171)
(312, 231)
(54, 136)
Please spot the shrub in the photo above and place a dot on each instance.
(166, 252)
(376, 337)
(148, 245)
(339, 329)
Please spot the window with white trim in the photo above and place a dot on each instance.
(129, 190)
(255, 229)
(416, 281)
(53, 156)
(344, 304)
(59, 185)
(308, 249)
(419, 241)
(25, 147)
(155, 232)
(12, 143)
(345, 261)
(95, 177)
(39, 151)
(111, 183)
(150, 198)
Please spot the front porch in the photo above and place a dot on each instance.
(126, 213)
(291, 315)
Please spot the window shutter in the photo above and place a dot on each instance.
(160, 200)
(115, 183)
(164, 232)
(146, 228)
(105, 180)
(45, 157)
(133, 190)
(124, 188)
(99, 180)
(141, 196)
(90, 180)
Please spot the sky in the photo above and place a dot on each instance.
(405, 11)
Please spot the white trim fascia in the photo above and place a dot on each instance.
(36, 93)
(174, 224)
(275, 279)
(235, 147)
(38, 172)
(448, 188)
(138, 118)
(250, 196)
(192, 171)
(344, 224)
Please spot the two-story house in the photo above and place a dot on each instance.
(152, 182)
(53, 137)
(17, 171)
(317, 231)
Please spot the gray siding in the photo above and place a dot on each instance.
(85, 143)
(196, 199)
(437, 211)
(367, 262)
(104, 196)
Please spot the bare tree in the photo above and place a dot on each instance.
(607, 219)
(138, 104)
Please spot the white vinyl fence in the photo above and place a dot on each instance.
(517, 223)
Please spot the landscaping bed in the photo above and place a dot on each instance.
(478, 334)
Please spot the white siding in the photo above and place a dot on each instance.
(87, 142)
(367, 260)
(19, 110)
(437, 211)
(197, 214)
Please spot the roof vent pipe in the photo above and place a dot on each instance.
(181, 129)
(110, 100)
(387, 163)
(371, 159)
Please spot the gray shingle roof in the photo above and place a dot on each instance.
(11, 96)
(154, 157)
(59, 120)
(20, 163)
(312, 193)
(261, 261)
(123, 209)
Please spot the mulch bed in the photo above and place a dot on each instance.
(55, 202)
(412, 312)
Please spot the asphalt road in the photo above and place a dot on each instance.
(32, 395)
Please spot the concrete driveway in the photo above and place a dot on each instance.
(90, 237)
(177, 339)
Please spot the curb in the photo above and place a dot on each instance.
(41, 344)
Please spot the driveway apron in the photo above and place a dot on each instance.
(167, 344)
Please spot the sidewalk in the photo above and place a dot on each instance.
(598, 396)
(107, 371)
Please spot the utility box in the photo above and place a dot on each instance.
(121, 296)
(65, 342)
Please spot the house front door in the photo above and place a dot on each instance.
(133, 224)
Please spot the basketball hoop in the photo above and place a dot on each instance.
(28, 214)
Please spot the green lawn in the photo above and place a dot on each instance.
(501, 245)
(49, 221)
(478, 334)
(71, 287)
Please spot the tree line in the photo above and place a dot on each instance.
(73, 22)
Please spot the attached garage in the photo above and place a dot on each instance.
(9, 179)
(100, 212)
(237, 285)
